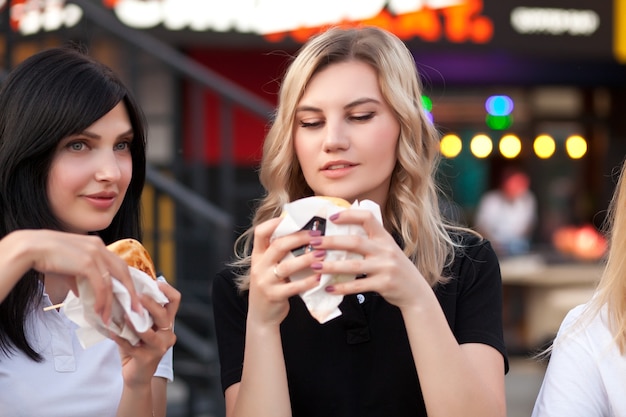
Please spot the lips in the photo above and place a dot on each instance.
(102, 196)
(102, 200)
(332, 166)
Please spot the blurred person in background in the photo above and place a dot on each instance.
(506, 216)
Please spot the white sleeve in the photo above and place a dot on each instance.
(165, 368)
(572, 385)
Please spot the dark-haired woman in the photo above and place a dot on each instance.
(72, 169)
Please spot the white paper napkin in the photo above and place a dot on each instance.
(322, 305)
(91, 327)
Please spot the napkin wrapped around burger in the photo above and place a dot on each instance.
(91, 328)
(313, 213)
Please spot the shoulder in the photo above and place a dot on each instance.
(226, 281)
(585, 322)
(471, 247)
(474, 260)
(225, 290)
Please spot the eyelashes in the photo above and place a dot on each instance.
(356, 118)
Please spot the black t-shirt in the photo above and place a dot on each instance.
(360, 363)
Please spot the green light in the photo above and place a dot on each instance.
(498, 122)
(427, 103)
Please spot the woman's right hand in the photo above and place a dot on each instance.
(67, 256)
(270, 287)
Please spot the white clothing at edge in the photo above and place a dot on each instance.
(586, 375)
(70, 381)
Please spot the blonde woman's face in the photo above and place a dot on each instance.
(345, 135)
(91, 172)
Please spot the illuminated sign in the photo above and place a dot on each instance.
(276, 19)
(32, 16)
(579, 29)
(554, 21)
(576, 27)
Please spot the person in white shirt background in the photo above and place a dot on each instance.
(72, 169)
(586, 372)
(506, 216)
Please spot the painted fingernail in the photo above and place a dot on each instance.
(330, 288)
(320, 253)
(315, 232)
(334, 217)
(315, 241)
(316, 265)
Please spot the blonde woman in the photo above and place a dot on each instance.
(586, 375)
(421, 330)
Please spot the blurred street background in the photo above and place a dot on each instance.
(536, 85)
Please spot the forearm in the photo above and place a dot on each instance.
(263, 389)
(136, 401)
(14, 262)
(159, 396)
(452, 383)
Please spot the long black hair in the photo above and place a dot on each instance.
(51, 95)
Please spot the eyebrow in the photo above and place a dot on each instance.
(348, 106)
(129, 132)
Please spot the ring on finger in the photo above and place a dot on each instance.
(276, 274)
(166, 329)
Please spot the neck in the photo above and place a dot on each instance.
(56, 288)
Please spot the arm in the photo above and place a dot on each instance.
(263, 389)
(66, 256)
(455, 379)
(144, 395)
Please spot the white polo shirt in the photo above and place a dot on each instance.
(586, 375)
(70, 381)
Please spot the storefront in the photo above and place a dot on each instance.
(561, 64)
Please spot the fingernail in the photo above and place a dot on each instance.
(330, 288)
(315, 241)
(316, 265)
(334, 217)
(315, 232)
(318, 278)
(320, 253)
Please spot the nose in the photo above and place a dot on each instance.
(336, 136)
(108, 167)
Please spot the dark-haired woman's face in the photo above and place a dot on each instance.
(90, 173)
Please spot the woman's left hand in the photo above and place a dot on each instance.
(389, 271)
(139, 362)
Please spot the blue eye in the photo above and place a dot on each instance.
(76, 146)
(122, 146)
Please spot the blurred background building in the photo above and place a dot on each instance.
(539, 84)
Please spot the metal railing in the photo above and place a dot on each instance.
(200, 366)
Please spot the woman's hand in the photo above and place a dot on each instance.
(270, 287)
(66, 256)
(139, 362)
(389, 271)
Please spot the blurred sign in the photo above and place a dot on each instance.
(579, 28)
(569, 28)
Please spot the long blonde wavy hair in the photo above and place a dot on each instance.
(611, 289)
(412, 207)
